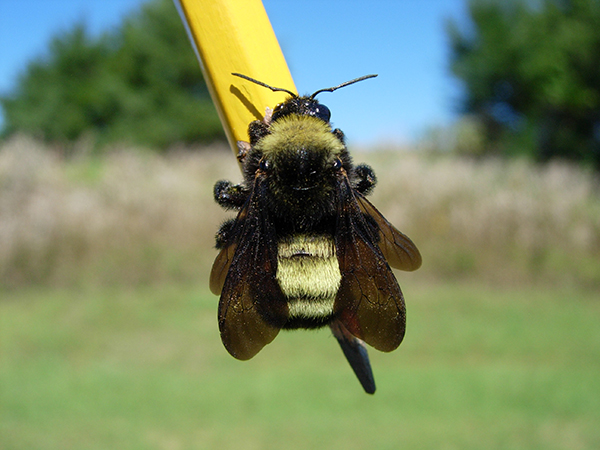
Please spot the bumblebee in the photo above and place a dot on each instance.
(307, 249)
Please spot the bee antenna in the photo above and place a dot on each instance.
(347, 83)
(260, 83)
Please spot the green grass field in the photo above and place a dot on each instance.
(143, 368)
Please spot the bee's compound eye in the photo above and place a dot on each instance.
(337, 164)
(322, 112)
(263, 164)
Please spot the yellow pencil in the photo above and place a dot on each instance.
(236, 36)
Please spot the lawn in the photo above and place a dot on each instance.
(143, 368)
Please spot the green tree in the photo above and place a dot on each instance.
(140, 83)
(531, 72)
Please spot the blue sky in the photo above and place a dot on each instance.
(326, 42)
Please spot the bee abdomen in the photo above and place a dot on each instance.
(309, 276)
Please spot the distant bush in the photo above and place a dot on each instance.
(140, 83)
(531, 76)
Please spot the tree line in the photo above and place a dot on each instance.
(531, 73)
(139, 83)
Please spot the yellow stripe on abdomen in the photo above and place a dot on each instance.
(309, 275)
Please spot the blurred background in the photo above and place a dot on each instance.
(484, 130)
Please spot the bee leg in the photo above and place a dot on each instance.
(229, 195)
(355, 352)
(340, 135)
(224, 233)
(257, 130)
(364, 179)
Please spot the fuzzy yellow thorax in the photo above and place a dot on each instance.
(293, 132)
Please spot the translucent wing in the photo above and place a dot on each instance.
(220, 268)
(399, 251)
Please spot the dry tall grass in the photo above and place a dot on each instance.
(507, 221)
(134, 217)
(130, 217)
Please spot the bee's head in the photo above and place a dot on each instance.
(302, 106)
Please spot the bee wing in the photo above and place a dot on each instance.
(369, 302)
(252, 307)
(244, 331)
(399, 251)
(220, 268)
